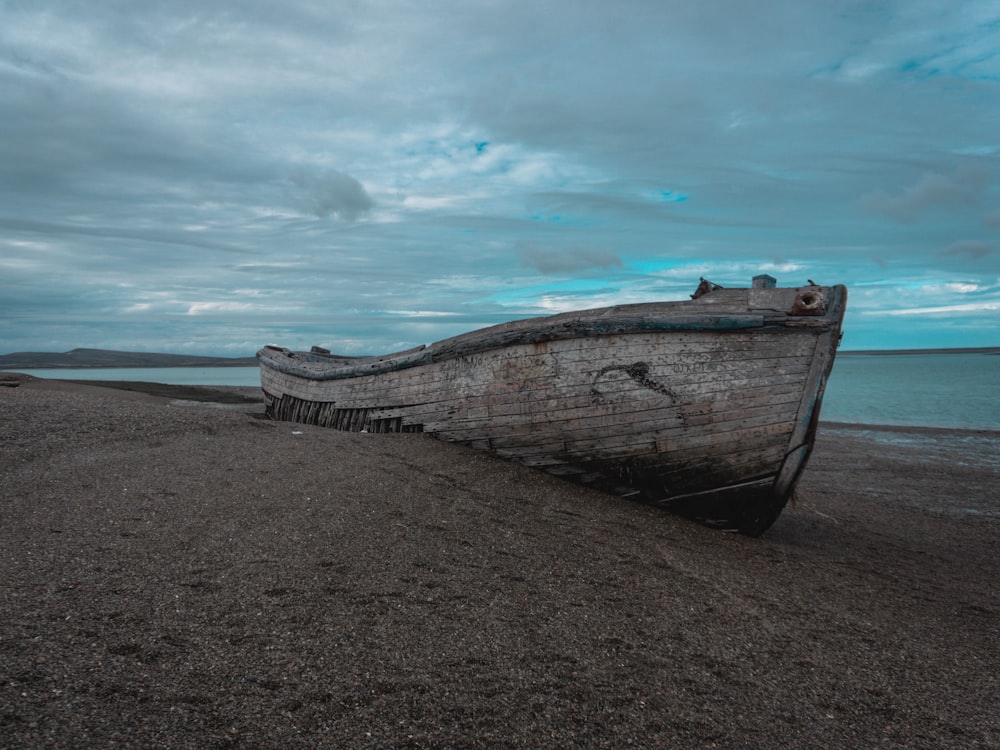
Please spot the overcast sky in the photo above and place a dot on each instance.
(207, 176)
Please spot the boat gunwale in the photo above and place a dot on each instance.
(619, 320)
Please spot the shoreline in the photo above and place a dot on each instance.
(178, 575)
(250, 395)
(219, 394)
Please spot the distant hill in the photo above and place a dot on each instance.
(82, 358)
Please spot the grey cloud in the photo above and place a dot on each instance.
(933, 190)
(330, 193)
(973, 249)
(549, 260)
(160, 236)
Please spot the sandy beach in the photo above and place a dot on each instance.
(179, 572)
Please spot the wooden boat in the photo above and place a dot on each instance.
(706, 407)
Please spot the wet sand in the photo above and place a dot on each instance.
(181, 573)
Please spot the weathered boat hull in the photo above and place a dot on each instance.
(707, 408)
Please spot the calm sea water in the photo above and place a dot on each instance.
(929, 390)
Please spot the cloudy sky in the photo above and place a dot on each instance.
(207, 176)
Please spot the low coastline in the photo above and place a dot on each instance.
(179, 573)
(217, 394)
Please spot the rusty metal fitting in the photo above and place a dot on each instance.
(809, 302)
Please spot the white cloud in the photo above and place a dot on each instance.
(968, 307)
(201, 308)
(961, 288)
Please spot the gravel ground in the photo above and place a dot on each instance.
(176, 574)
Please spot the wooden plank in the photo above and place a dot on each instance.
(424, 390)
(737, 341)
